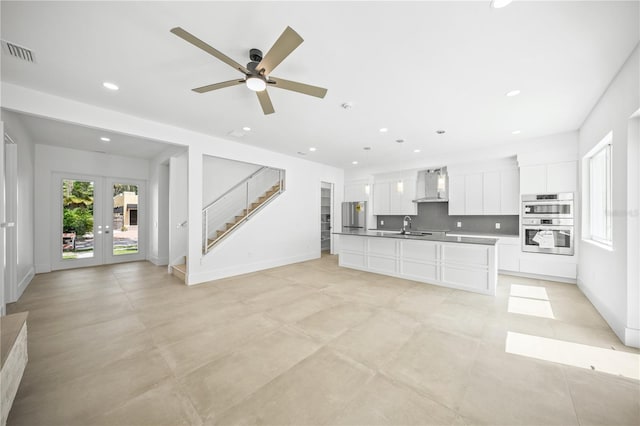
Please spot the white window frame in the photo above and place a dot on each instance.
(604, 147)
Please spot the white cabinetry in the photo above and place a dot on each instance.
(494, 192)
(549, 178)
(456, 195)
(395, 195)
(509, 254)
(471, 267)
(381, 198)
(473, 194)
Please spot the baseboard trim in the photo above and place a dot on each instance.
(43, 268)
(632, 337)
(608, 316)
(219, 273)
(539, 277)
(24, 282)
(158, 261)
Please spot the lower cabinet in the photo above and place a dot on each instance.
(512, 259)
(471, 267)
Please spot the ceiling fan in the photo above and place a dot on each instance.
(257, 73)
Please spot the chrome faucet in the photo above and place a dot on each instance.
(406, 221)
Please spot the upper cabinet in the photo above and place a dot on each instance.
(394, 194)
(549, 178)
(490, 192)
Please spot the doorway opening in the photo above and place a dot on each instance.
(98, 220)
(326, 220)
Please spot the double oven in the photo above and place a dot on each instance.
(547, 223)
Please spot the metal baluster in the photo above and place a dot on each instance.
(247, 201)
(206, 231)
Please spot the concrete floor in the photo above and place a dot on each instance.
(312, 343)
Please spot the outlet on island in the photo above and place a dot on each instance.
(459, 224)
(497, 225)
(382, 223)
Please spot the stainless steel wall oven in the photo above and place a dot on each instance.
(547, 223)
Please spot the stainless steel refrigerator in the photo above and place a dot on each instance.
(354, 216)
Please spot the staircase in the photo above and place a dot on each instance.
(229, 211)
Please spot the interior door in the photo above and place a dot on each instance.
(96, 220)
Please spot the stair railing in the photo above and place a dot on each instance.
(233, 207)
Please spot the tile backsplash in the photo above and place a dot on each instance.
(435, 216)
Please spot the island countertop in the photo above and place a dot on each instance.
(440, 238)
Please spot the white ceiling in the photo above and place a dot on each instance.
(413, 67)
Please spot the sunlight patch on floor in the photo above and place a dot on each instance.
(529, 291)
(574, 354)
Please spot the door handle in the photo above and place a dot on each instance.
(7, 224)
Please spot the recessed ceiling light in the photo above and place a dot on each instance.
(498, 4)
(246, 129)
(312, 149)
(515, 92)
(110, 86)
(383, 130)
(354, 162)
(516, 132)
(416, 150)
(105, 139)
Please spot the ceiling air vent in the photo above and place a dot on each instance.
(18, 51)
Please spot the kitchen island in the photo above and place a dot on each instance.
(457, 262)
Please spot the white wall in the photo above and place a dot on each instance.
(158, 206)
(49, 160)
(178, 208)
(286, 231)
(25, 208)
(220, 174)
(603, 273)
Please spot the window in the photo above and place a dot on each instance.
(598, 162)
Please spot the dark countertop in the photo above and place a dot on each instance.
(482, 234)
(446, 239)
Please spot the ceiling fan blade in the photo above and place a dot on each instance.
(294, 86)
(217, 86)
(265, 102)
(286, 43)
(210, 50)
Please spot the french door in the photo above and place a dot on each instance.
(97, 220)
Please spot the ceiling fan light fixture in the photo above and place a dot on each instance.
(256, 84)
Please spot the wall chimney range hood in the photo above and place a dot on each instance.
(433, 186)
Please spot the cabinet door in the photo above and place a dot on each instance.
(508, 257)
(510, 192)
(396, 195)
(381, 198)
(562, 177)
(473, 194)
(533, 179)
(407, 206)
(491, 193)
(456, 195)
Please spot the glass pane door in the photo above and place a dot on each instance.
(125, 219)
(77, 219)
(100, 220)
(124, 224)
